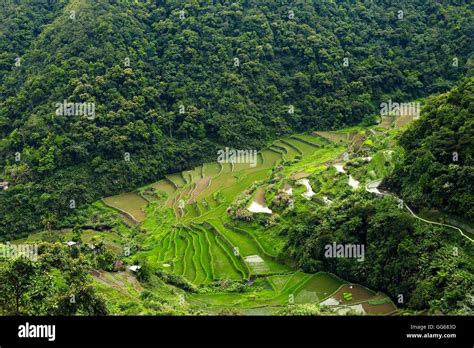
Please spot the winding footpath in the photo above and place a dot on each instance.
(372, 187)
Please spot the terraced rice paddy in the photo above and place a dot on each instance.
(294, 288)
(303, 147)
(197, 244)
(353, 297)
(177, 179)
(319, 287)
(387, 122)
(403, 120)
(130, 203)
(335, 137)
(164, 186)
(189, 233)
(289, 152)
(379, 304)
(359, 294)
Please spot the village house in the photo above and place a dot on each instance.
(134, 268)
(4, 185)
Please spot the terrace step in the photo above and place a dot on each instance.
(308, 139)
(291, 153)
(293, 146)
(218, 246)
(177, 179)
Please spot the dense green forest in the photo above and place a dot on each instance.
(54, 284)
(438, 170)
(429, 267)
(171, 82)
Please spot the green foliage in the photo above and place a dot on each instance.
(105, 260)
(227, 74)
(176, 280)
(54, 284)
(306, 310)
(191, 61)
(402, 255)
(227, 285)
(438, 170)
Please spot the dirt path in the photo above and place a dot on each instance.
(372, 187)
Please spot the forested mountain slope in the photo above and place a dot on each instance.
(429, 265)
(172, 82)
(438, 171)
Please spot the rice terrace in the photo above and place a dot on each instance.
(164, 158)
(187, 230)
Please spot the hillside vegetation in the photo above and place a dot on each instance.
(172, 82)
(438, 170)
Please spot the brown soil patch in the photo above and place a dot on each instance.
(403, 120)
(386, 122)
(260, 197)
(382, 309)
(300, 175)
(357, 142)
(201, 185)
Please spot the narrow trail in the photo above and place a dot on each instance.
(372, 187)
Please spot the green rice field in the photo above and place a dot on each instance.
(190, 234)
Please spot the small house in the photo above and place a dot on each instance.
(4, 185)
(134, 268)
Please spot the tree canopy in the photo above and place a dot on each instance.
(171, 82)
